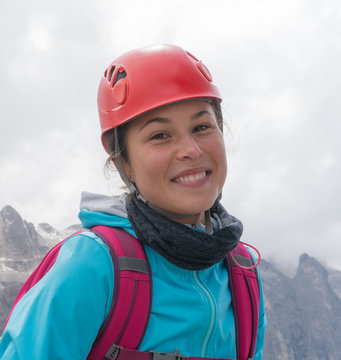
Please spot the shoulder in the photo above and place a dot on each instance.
(79, 283)
(81, 245)
(83, 261)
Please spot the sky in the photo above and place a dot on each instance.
(276, 64)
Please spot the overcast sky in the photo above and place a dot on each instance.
(276, 63)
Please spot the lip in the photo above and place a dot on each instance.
(199, 181)
(193, 171)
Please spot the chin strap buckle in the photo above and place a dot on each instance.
(167, 356)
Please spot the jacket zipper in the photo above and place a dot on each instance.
(213, 312)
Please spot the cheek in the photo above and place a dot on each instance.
(223, 168)
(147, 168)
(221, 158)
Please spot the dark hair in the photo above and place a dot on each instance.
(109, 138)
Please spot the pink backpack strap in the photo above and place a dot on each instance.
(244, 288)
(128, 317)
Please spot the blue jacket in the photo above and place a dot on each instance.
(60, 316)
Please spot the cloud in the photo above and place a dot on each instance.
(276, 64)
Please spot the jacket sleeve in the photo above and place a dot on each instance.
(60, 316)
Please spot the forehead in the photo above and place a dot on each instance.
(174, 111)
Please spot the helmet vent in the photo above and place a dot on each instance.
(120, 75)
(192, 57)
(111, 72)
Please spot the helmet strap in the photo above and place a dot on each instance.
(120, 167)
(208, 222)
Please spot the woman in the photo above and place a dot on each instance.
(162, 126)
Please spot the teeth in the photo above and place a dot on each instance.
(191, 178)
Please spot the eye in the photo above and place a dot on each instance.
(159, 136)
(202, 127)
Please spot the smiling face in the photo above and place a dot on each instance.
(176, 157)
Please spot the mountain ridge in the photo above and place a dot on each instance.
(297, 307)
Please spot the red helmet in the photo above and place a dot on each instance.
(147, 78)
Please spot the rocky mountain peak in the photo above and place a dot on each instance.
(9, 215)
(47, 228)
(18, 239)
(309, 269)
(299, 308)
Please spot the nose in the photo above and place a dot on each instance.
(188, 148)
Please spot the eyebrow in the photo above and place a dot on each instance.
(200, 113)
(163, 120)
(156, 119)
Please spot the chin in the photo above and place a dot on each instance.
(195, 208)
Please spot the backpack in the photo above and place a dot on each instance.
(127, 320)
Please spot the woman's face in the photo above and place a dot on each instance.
(176, 157)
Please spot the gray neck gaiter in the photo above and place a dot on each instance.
(181, 245)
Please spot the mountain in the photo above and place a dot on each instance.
(22, 246)
(335, 281)
(303, 310)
